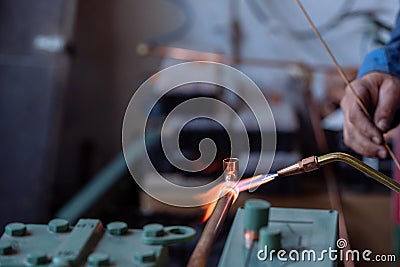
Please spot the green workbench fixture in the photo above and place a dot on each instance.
(57, 244)
(259, 233)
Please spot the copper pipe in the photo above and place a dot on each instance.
(194, 55)
(213, 227)
(211, 230)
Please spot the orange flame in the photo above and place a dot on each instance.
(231, 188)
(221, 189)
(209, 210)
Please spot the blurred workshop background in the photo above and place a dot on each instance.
(68, 69)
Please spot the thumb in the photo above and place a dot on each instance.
(388, 102)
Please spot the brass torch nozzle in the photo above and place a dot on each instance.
(304, 165)
(314, 162)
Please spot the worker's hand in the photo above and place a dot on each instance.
(380, 93)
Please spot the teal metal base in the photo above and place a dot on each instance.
(302, 231)
(88, 244)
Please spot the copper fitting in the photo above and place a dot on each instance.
(249, 237)
(304, 165)
(231, 169)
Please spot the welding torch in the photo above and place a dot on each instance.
(314, 162)
(213, 227)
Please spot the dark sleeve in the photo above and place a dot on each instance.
(385, 59)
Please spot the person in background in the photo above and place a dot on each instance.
(378, 86)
